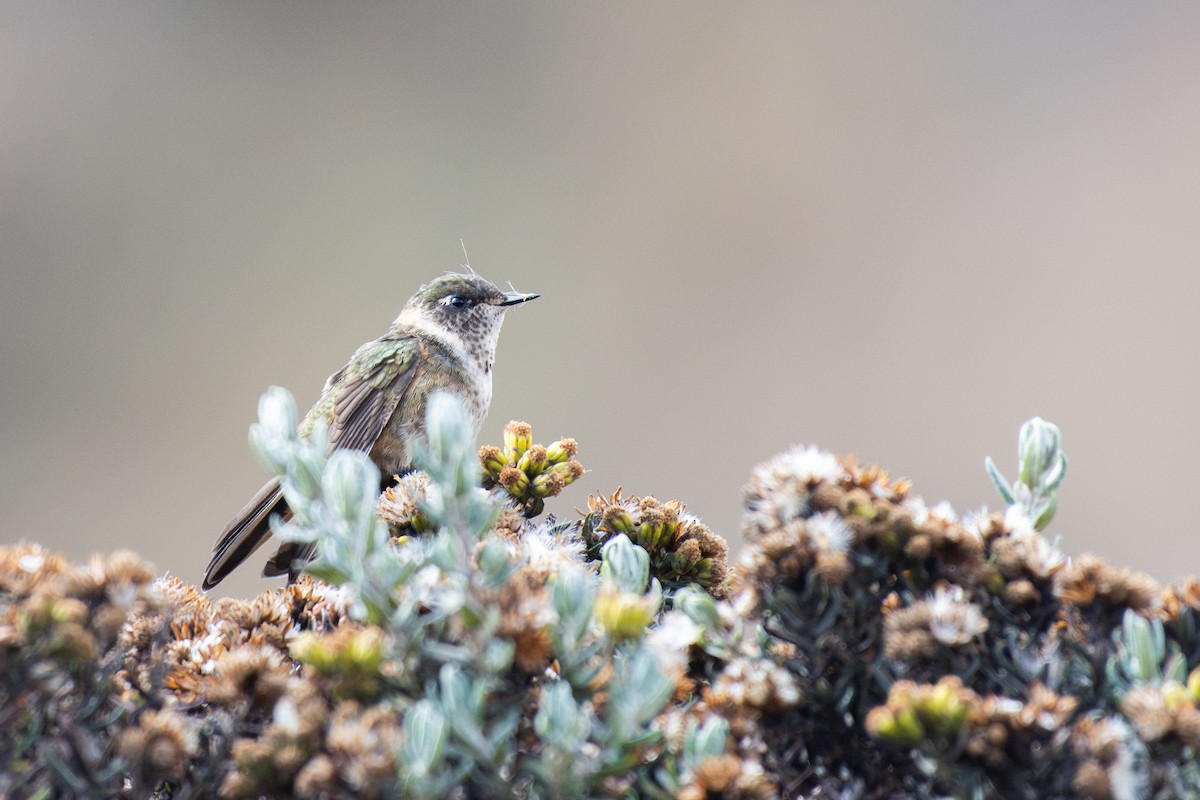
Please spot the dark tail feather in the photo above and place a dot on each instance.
(290, 558)
(246, 533)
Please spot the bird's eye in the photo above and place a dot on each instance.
(457, 301)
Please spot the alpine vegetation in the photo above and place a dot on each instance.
(448, 639)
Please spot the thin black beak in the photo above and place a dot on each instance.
(514, 298)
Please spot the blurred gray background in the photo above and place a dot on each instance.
(893, 230)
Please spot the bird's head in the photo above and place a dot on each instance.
(467, 307)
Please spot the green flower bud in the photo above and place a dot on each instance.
(492, 461)
(616, 519)
(647, 536)
(562, 450)
(518, 436)
(533, 460)
(906, 727)
(943, 708)
(515, 481)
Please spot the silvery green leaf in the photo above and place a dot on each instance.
(425, 738)
(649, 684)
(456, 692)
(1043, 512)
(639, 689)
(1175, 668)
(700, 607)
(625, 565)
(503, 728)
(351, 486)
(306, 468)
(495, 562)
(1039, 447)
(572, 595)
(277, 414)
(450, 451)
(558, 720)
(999, 481)
(1143, 649)
(656, 593)
(290, 531)
(498, 655)
(1052, 477)
(270, 453)
(705, 740)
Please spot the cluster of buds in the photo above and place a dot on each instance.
(682, 549)
(918, 713)
(349, 656)
(529, 472)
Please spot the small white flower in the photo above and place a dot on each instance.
(757, 682)
(735, 610)
(423, 585)
(203, 651)
(1018, 522)
(1041, 556)
(916, 506)
(786, 688)
(944, 512)
(286, 716)
(670, 640)
(952, 619)
(828, 533)
(973, 521)
(807, 464)
(546, 550)
(780, 489)
(1126, 775)
(31, 562)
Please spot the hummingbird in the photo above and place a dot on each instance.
(444, 339)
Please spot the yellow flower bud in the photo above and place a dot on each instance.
(533, 460)
(944, 708)
(908, 728)
(616, 519)
(1176, 696)
(364, 650)
(624, 615)
(1193, 684)
(518, 436)
(562, 450)
(314, 651)
(492, 460)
